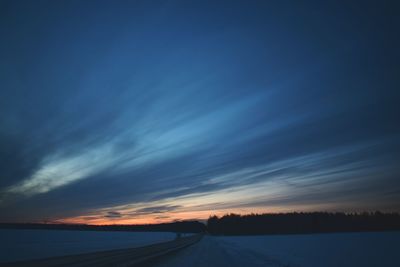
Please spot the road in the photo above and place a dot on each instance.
(141, 256)
(214, 251)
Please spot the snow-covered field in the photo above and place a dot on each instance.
(318, 250)
(328, 250)
(35, 244)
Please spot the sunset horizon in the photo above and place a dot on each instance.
(277, 117)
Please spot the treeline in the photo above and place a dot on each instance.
(302, 223)
(252, 224)
(183, 227)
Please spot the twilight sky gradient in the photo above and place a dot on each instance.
(151, 111)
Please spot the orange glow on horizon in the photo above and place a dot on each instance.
(166, 217)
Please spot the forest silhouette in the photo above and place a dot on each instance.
(251, 224)
(302, 223)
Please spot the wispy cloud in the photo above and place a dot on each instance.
(297, 183)
(140, 114)
(57, 171)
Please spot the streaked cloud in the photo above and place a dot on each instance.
(135, 113)
(287, 185)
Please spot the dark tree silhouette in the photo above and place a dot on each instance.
(183, 227)
(297, 223)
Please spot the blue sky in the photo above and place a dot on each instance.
(133, 111)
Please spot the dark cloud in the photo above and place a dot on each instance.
(113, 214)
(157, 209)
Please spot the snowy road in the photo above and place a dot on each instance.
(328, 250)
(212, 251)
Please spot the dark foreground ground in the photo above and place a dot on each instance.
(303, 250)
(317, 250)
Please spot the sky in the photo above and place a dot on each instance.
(117, 112)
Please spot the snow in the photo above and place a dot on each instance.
(34, 244)
(328, 250)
